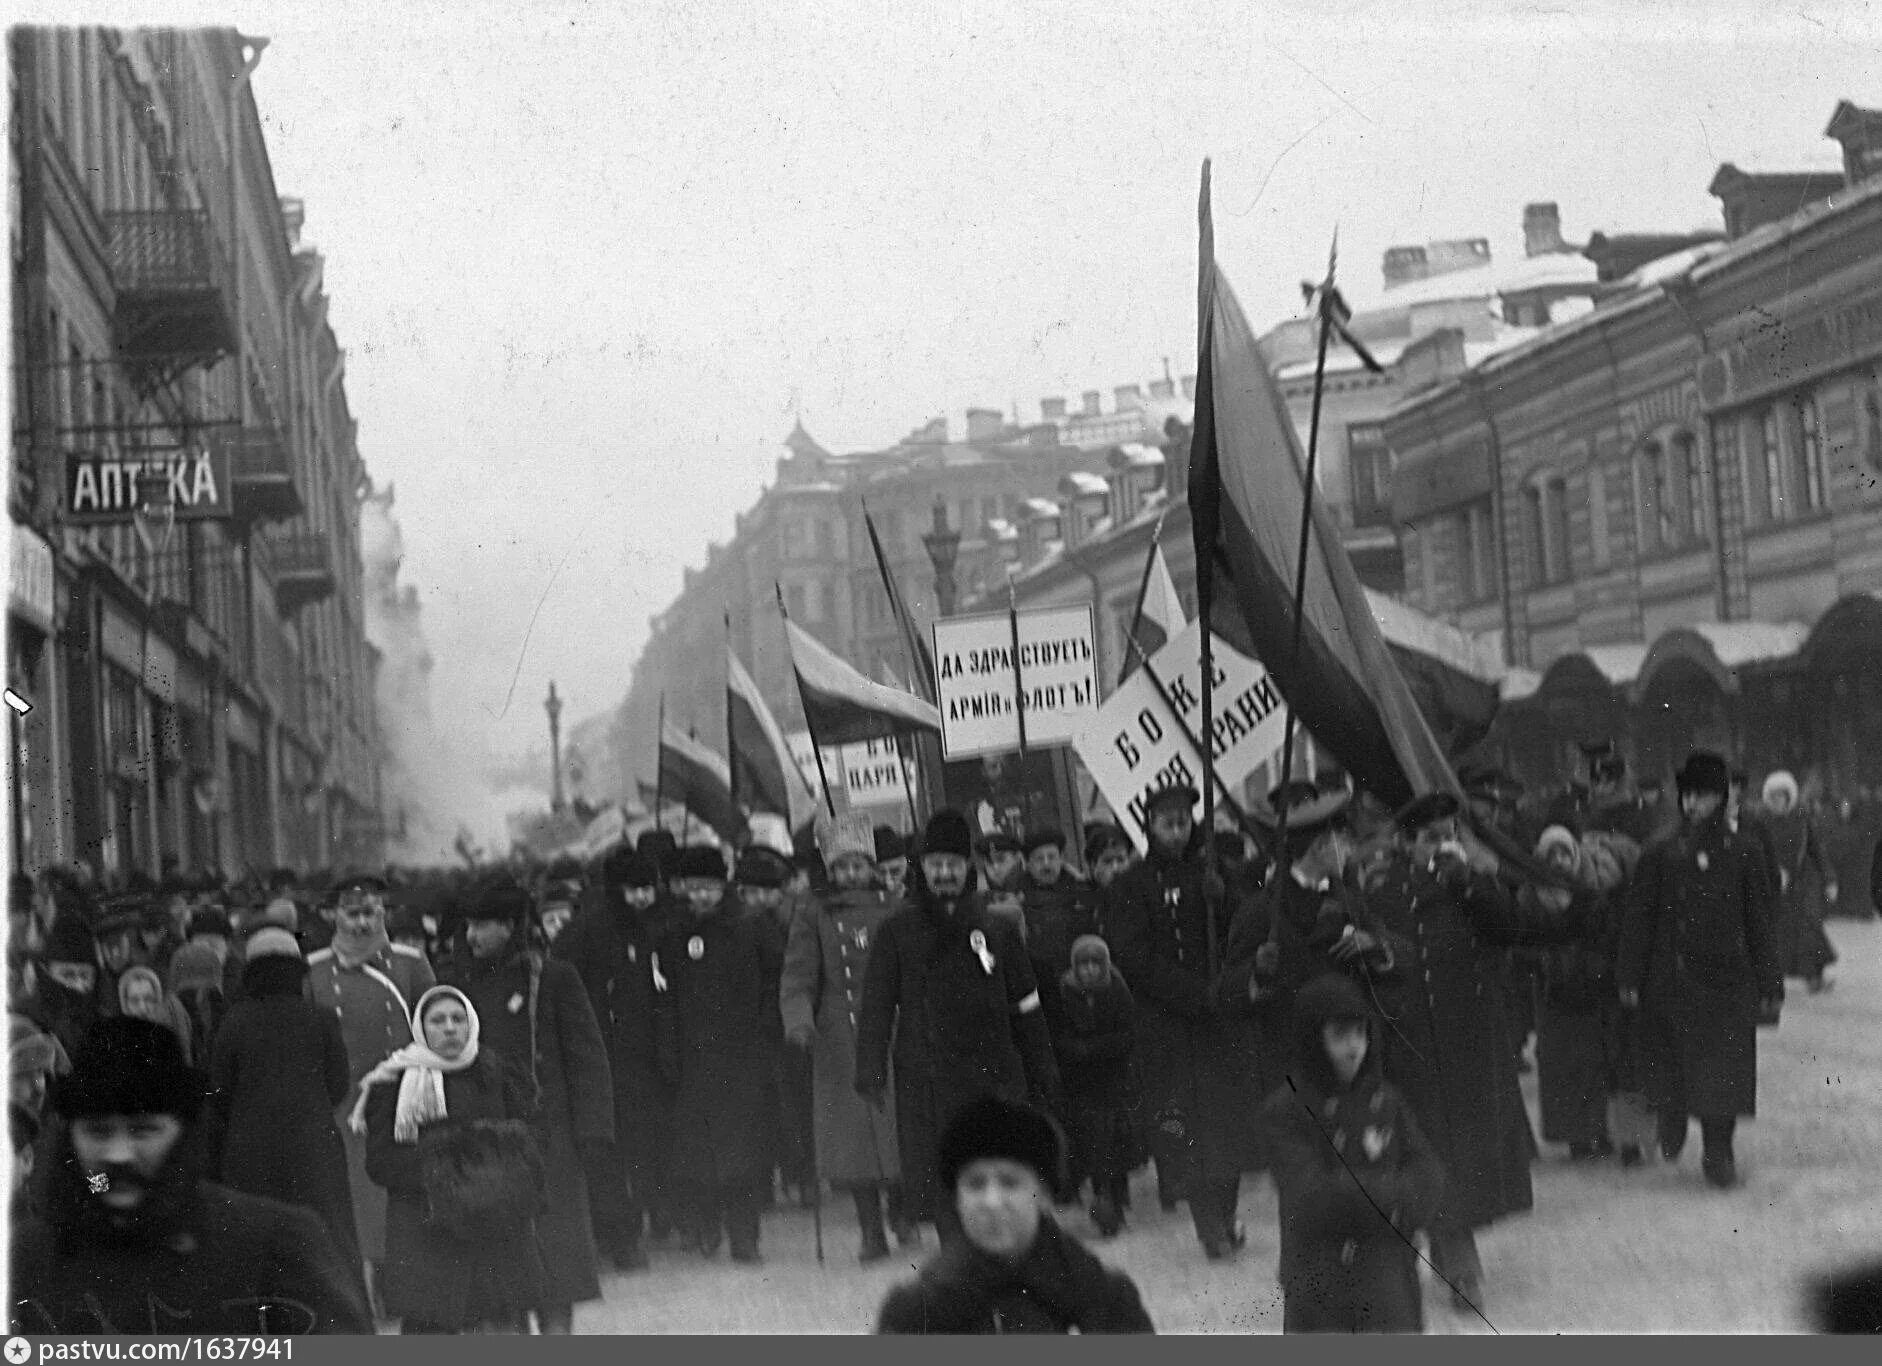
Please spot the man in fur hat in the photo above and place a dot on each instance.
(891, 861)
(134, 1240)
(1167, 923)
(951, 985)
(1698, 961)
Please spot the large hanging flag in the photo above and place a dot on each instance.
(1246, 493)
(843, 707)
(1159, 618)
(920, 658)
(697, 778)
(1454, 676)
(764, 776)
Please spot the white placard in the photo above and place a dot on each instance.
(1132, 747)
(980, 692)
(1249, 713)
(873, 774)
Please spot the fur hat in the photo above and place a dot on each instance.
(835, 839)
(1558, 836)
(889, 843)
(762, 867)
(210, 921)
(1424, 810)
(1780, 781)
(991, 1127)
(1330, 998)
(947, 833)
(1704, 771)
(1103, 835)
(1090, 946)
(129, 1066)
(70, 941)
(499, 898)
(270, 941)
(195, 967)
(626, 866)
(1040, 838)
(699, 861)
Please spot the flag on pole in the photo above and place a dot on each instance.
(763, 773)
(696, 777)
(843, 707)
(1454, 676)
(1246, 492)
(1160, 617)
(920, 659)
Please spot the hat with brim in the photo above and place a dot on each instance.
(889, 843)
(1171, 794)
(999, 842)
(129, 1066)
(994, 1128)
(498, 901)
(1039, 839)
(1704, 771)
(699, 861)
(361, 882)
(1308, 809)
(1426, 809)
(762, 868)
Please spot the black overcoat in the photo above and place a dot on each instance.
(1698, 946)
(560, 1053)
(717, 978)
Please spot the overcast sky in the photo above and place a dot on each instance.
(588, 260)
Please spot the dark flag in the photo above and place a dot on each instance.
(920, 659)
(763, 774)
(841, 706)
(1246, 492)
(695, 777)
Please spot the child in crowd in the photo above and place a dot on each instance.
(1094, 1038)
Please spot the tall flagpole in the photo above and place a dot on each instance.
(908, 790)
(1019, 688)
(1205, 553)
(1131, 647)
(816, 748)
(731, 750)
(660, 767)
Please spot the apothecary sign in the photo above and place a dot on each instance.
(105, 486)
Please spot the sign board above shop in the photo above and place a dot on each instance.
(103, 487)
(1147, 734)
(981, 692)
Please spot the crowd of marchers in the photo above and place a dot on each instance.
(450, 1100)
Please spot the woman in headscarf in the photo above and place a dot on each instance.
(141, 993)
(1805, 879)
(1575, 1029)
(278, 1069)
(430, 1101)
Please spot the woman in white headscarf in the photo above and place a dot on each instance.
(1805, 880)
(441, 1118)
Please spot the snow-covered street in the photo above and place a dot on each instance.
(1651, 1250)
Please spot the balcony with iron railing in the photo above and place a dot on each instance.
(303, 569)
(172, 288)
(263, 472)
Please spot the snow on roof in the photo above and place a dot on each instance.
(1671, 266)
(1617, 663)
(1518, 683)
(1750, 642)
(1087, 485)
(1001, 529)
(1040, 507)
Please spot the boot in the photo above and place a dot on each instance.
(869, 1219)
(1105, 1214)
(555, 1320)
(1673, 1136)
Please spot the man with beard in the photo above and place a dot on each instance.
(536, 1012)
(611, 944)
(1203, 1077)
(65, 989)
(891, 861)
(1058, 907)
(717, 974)
(134, 1240)
(1698, 960)
(951, 985)
(371, 986)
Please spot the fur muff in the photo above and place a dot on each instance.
(484, 1179)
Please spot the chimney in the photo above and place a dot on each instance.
(1052, 410)
(1542, 230)
(1403, 265)
(985, 424)
(1091, 397)
(1129, 398)
(1432, 359)
(1163, 388)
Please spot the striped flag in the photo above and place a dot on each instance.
(1246, 489)
(764, 776)
(697, 778)
(841, 706)
(1160, 618)
(920, 659)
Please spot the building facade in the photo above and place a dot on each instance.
(191, 633)
(1670, 508)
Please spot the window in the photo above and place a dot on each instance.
(1660, 529)
(1872, 424)
(1535, 536)
(1479, 551)
(1691, 471)
(1808, 483)
(1598, 517)
(1370, 463)
(1556, 543)
(1770, 448)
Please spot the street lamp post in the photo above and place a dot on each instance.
(553, 705)
(944, 546)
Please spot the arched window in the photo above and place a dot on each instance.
(1690, 470)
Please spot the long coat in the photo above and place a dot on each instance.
(560, 1053)
(251, 1265)
(373, 1003)
(718, 1020)
(1203, 1070)
(278, 1067)
(826, 960)
(612, 947)
(1056, 1287)
(1448, 1045)
(1801, 871)
(430, 1275)
(955, 993)
(1697, 944)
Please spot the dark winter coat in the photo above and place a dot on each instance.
(1312, 923)
(278, 1068)
(428, 1275)
(719, 1037)
(962, 1027)
(535, 1014)
(1202, 1069)
(1095, 1038)
(1055, 916)
(240, 1265)
(826, 962)
(1056, 1287)
(1800, 870)
(1697, 944)
(1449, 1045)
(1357, 1178)
(1577, 1025)
(612, 947)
